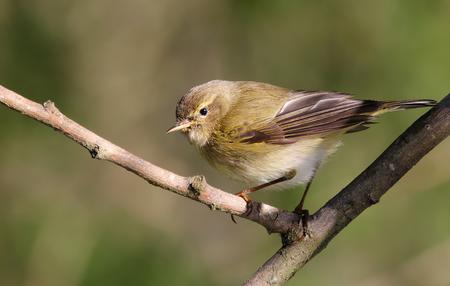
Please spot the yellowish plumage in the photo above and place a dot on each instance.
(257, 133)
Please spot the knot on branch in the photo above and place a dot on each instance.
(94, 150)
(294, 234)
(196, 185)
(50, 107)
(373, 199)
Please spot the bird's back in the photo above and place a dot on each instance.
(256, 104)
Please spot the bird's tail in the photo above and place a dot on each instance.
(405, 104)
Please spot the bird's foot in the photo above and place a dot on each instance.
(244, 195)
(304, 217)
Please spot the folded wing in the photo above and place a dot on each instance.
(318, 113)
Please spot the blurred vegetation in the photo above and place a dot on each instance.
(119, 67)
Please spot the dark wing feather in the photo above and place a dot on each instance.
(309, 113)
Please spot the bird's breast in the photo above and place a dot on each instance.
(259, 163)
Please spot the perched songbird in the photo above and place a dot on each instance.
(264, 135)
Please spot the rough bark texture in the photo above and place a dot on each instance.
(361, 193)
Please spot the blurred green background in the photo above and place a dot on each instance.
(119, 67)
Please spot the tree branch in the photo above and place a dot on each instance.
(364, 191)
(327, 222)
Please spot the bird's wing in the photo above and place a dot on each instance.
(318, 113)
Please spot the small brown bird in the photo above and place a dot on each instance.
(265, 135)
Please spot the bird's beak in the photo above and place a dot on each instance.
(179, 126)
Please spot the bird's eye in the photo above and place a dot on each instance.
(203, 111)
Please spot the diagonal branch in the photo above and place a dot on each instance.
(196, 188)
(361, 193)
(364, 191)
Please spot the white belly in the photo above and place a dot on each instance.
(304, 157)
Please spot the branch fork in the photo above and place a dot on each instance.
(364, 191)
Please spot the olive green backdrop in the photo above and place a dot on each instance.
(119, 67)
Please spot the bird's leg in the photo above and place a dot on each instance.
(304, 214)
(245, 193)
(299, 208)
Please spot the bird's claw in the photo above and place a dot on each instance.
(304, 217)
(244, 195)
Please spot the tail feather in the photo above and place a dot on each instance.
(407, 104)
(374, 108)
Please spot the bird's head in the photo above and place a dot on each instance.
(199, 111)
